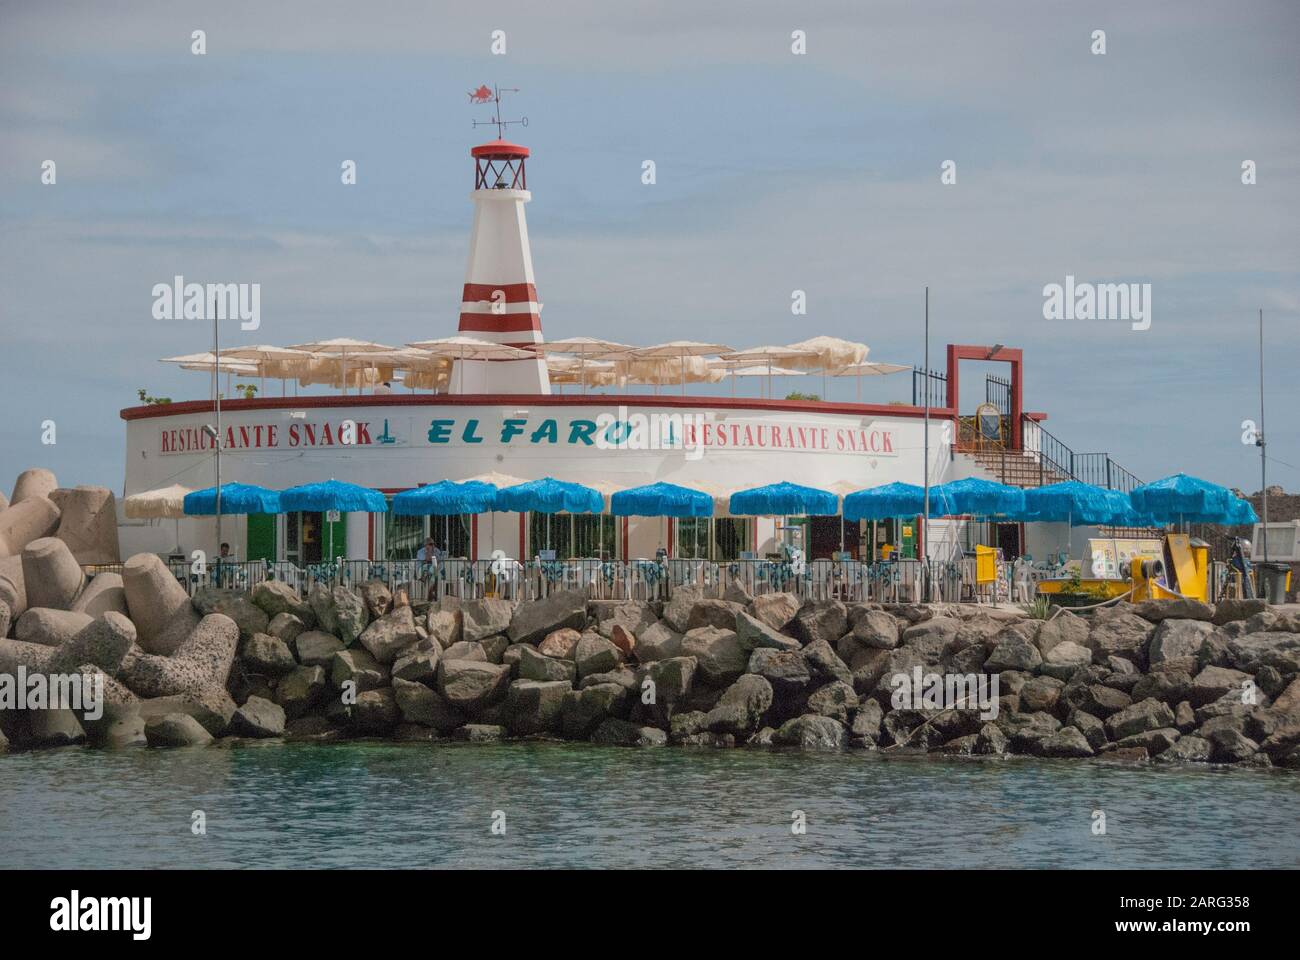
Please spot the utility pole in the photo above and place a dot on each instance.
(216, 396)
(1260, 442)
(925, 457)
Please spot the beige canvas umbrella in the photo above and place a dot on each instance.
(562, 369)
(206, 362)
(270, 360)
(828, 352)
(867, 369)
(679, 350)
(342, 347)
(160, 504)
(769, 356)
(428, 369)
(471, 348)
(745, 368)
(585, 350)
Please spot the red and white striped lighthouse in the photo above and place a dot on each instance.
(500, 298)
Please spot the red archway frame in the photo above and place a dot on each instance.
(958, 352)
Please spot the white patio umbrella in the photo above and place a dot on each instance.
(204, 363)
(769, 356)
(471, 348)
(867, 369)
(680, 350)
(750, 370)
(828, 352)
(342, 347)
(584, 349)
(263, 355)
(162, 503)
(428, 368)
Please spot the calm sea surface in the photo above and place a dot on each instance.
(365, 804)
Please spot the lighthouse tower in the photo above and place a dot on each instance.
(500, 299)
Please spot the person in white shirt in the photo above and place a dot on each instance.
(429, 553)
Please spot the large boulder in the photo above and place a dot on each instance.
(714, 613)
(235, 604)
(418, 704)
(620, 733)
(300, 690)
(349, 614)
(418, 663)
(562, 643)
(774, 609)
(1062, 627)
(276, 597)
(1174, 639)
(1273, 648)
(158, 605)
(741, 706)
(50, 627)
(536, 666)
(390, 635)
(316, 648)
(484, 618)
(88, 523)
(811, 732)
(211, 708)
(1149, 714)
(531, 622)
(287, 627)
(258, 717)
(377, 597)
(786, 670)
(13, 591)
(52, 574)
(1230, 611)
(721, 656)
(672, 679)
(1120, 634)
(376, 711)
(658, 642)
(535, 706)
(1213, 683)
(755, 633)
(321, 602)
(1064, 659)
(443, 626)
(633, 616)
(1183, 608)
(359, 668)
(267, 655)
(595, 654)
(202, 660)
(175, 730)
(836, 700)
(471, 685)
(584, 710)
(677, 611)
(1097, 699)
(820, 620)
(1066, 742)
(1013, 653)
(104, 593)
(21, 523)
(824, 665)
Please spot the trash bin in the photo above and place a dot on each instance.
(1272, 581)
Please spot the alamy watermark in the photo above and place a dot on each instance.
(25, 690)
(1098, 301)
(919, 690)
(179, 300)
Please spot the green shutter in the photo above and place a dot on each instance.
(340, 529)
(261, 537)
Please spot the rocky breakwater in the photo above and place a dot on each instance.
(1171, 681)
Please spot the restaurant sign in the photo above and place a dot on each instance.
(692, 433)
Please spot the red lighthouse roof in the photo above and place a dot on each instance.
(499, 149)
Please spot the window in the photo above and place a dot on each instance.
(404, 536)
(692, 537)
(730, 537)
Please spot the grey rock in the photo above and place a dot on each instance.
(595, 654)
(358, 667)
(535, 706)
(720, 654)
(300, 690)
(1066, 742)
(531, 622)
(621, 733)
(390, 635)
(584, 710)
(258, 718)
(471, 685)
(268, 655)
(810, 732)
(317, 649)
(1149, 714)
(175, 730)
(535, 666)
(742, 706)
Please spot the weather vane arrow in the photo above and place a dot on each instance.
(492, 95)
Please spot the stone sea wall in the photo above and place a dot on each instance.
(1168, 681)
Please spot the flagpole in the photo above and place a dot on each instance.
(1259, 441)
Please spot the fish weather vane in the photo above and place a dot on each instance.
(484, 94)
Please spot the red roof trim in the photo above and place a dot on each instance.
(530, 399)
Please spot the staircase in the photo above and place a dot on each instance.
(1044, 459)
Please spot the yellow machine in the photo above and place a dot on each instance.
(1145, 569)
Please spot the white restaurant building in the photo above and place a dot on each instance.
(502, 417)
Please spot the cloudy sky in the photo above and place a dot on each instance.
(775, 172)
